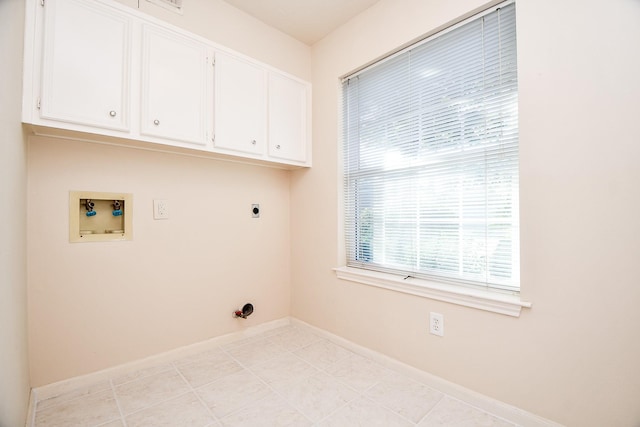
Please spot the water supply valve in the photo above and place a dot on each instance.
(117, 208)
(90, 205)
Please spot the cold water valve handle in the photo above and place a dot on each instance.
(90, 205)
(117, 208)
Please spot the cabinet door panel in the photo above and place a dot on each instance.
(240, 105)
(86, 64)
(287, 118)
(174, 86)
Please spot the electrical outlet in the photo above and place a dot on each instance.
(436, 324)
(160, 209)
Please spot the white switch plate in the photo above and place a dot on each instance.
(160, 209)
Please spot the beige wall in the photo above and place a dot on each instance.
(96, 305)
(573, 357)
(14, 374)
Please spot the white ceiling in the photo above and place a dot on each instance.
(305, 20)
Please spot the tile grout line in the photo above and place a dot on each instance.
(155, 403)
(194, 391)
(433, 408)
(404, 417)
(341, 407)
(162, 402)
(360, 394)
(476, 408)
(102, 390)
(319, 370)
(273, 390)
(115, 396)
(244, 367)
(143, 376)
(382, 405)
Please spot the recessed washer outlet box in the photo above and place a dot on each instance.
(100, 217)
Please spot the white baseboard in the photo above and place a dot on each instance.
(64, 386)
(31, 410)
(480, 401)
(485, 403)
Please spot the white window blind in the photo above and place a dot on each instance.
(431, 157)
(175, 5)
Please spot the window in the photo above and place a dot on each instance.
(174, 5)
(431, 157)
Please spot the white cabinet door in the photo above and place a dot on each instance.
(287, 118)
(174, 86)
(86, 64)
(240, 105)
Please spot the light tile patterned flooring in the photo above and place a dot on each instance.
(288, 376)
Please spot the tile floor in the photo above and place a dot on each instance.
(288, 376)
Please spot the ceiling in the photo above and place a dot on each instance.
(305, 20)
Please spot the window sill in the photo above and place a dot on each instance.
(507, 304)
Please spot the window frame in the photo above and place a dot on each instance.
(496, 299)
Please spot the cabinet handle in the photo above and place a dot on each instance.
(112, 113)
(156, 122)
(253, 142)
(278, 146)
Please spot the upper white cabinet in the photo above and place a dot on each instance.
(102, 71)
(174, 86)
(240, 110)
(288, 118)
(86, 64)
(260, 112)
